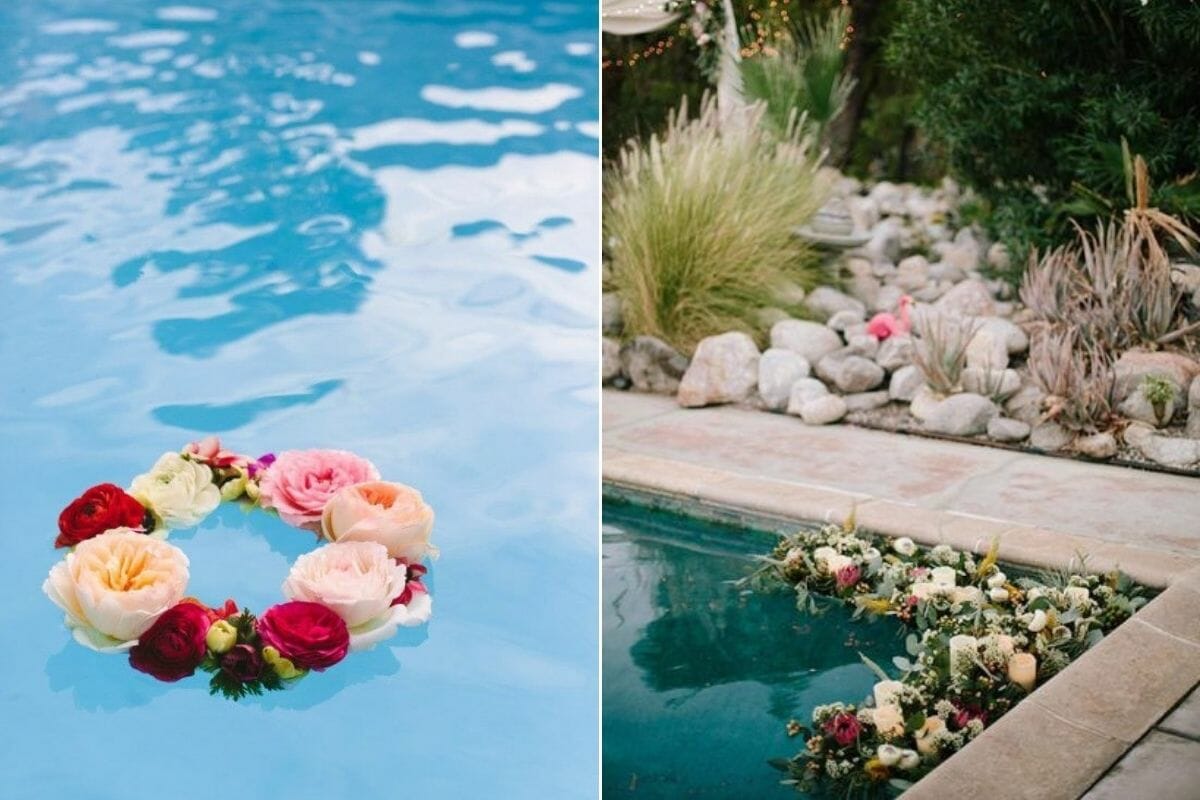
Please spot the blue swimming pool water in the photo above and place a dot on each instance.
(367, 225)
(701, 676)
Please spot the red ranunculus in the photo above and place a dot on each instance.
(309, 635)
(843, 727)
(174, 645)
(100, 508)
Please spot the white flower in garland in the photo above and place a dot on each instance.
(178, 490)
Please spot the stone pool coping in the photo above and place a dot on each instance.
(1070, 731)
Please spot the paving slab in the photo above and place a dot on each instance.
(1149, 510)
(1185, 719)
(1163, 767)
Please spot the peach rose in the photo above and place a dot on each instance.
(392, 514)
(300, 482)
(114, 586)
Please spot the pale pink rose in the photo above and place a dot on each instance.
(360, 582)
(392, 514)
(300, 482)
(115, 585)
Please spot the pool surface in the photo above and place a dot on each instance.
(364, 225)
(701, 678)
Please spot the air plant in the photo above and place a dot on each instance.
(941, 350)
(1077, 378)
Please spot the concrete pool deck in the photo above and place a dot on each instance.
(1105, 719)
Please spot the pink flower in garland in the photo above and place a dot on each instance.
(300, 482)
(208, 451)
(413, 586)
(844, 728)
(964, 714)
(848, 576)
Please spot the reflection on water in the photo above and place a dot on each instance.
(367, 224)
(700, 678)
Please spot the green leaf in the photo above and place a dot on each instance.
(915, 722)
(878, 670)
(902, 663)
(912, 644)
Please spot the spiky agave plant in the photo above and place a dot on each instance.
(941, 350)
(698, 224)
(800, 72)
(1077, 378)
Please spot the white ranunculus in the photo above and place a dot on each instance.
(998, 595)
(997, 580)
(178, 490)
(114, 586)
(904, 546)
(1038, 622)
(1078, 595)
(357, 580)
(909, 759)
(966, 594)
(888, 755)
(885, 692)
(943, 576)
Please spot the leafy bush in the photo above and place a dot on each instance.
(698, 225)
(801, 73)
(1031, 100)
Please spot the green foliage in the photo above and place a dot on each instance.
(699, 226)
(1031, 100)
(800, 74)
(227, 685)
(1158, 390)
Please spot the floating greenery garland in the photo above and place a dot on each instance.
(981, 640)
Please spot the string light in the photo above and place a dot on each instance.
(764, 28)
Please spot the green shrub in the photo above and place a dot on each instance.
(1031, 100)
(801, 73)
(698, 225)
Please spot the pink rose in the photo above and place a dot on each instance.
(844, 728)
(848, 576)
(300, 482)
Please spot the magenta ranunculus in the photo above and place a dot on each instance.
(848, 576)
(309, 635)
(844, 728)
(964, 714)
(300, 482)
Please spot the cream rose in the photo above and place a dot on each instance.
(115, 585)
(178, 490)
(358, 581)
(391, 514)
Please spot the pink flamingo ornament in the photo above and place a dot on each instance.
(885, 324)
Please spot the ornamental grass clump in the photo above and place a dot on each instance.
(699, 221)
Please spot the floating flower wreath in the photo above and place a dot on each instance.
(123, 586)
(983, 641)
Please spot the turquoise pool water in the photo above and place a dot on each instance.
(367, 225)
(701, 678)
